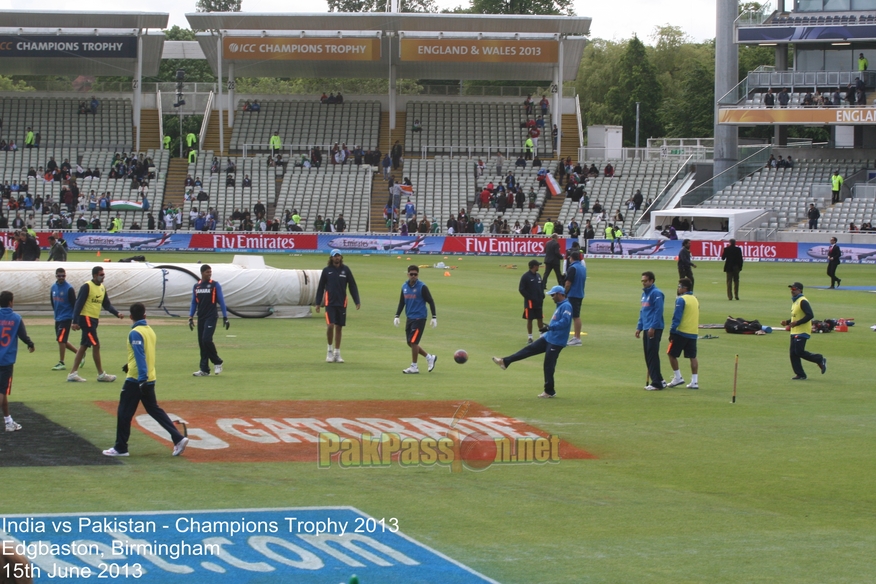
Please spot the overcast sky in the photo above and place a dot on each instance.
(610, 20)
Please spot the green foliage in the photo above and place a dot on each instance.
(8, 84)
(752, 57)
(197, 70)
(171, 128)
(637, 82)
(691, 112)
(597, 74)
(218, 6)
(305, 86)
(521, 7)
(380, 6)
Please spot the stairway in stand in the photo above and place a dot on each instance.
(150, 138)
(551, 209)
(174, 186)
(211, 140)
(379, 192)
(570, 144)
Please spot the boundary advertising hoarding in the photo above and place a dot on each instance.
(388, 244)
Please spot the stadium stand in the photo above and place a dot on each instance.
(613, 192)
(525, 178)
(482, 127)
(785, 190)
(61, 125)
(225, 199)
(840, 216)
(441, 186)
(327, 192)
(307, 123)
(14, 167)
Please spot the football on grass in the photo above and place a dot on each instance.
(460, 356)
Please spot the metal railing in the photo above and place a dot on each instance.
(665, 193)
(160, 118)
(752, 163)
(477, 150)
(660, 153)
(755, 17)
(205, 123)
(580, 122)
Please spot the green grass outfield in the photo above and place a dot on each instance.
(686, 487)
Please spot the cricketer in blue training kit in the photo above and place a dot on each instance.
(413, 299)
(206, 295)
(651, 321)
(553, 339)
(12, 330)
(576, 279)
(63, 298)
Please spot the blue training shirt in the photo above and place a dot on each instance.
(63, 300)
(577, 276)
(651, 313)
(11, 329)
(414, 300)
(560, 325)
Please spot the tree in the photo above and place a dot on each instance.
(8, 84)
(521, 7)
(597, 74)
(637, 82)
(381, 6)
(197, 70)
(218, 6)
(692, 114)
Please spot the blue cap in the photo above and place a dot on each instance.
(557, 290)
(335, 252)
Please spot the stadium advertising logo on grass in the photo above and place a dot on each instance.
(241, 546)
(366, 434)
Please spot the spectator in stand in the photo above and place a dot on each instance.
(544, 104)
(807, 100)
(528, 105)
(769, 99)
(386, 164)
(230, 181)
(536, 161)
(609, 170)
(521, 162)
(29, 138)
(784, 97)
(247, 182)
(396, 153)
(813, 214)
(555, 133)
(256, 107)
(94, 105)
(417, 127)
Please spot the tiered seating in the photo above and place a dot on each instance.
(14, 167)
(838, 217)
(785, 190)
(224, 200)
(613, 193)
(482, 126)
(442, 186)
(308, 123)
(60, 125)
(756, 99)
(328, 191)
(525, 177)
(824, 20)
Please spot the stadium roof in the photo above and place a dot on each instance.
(76, 19)
(79, 43)
(385, 31)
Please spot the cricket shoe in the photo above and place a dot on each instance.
(330, 356)
(217, 369)
(13, 426)
(499, 362)
(798, 378)
(59, 367)
(675, 382)
(106, 377)
(573, 342)
(338, 358)
(114, 452)
(823, 365)
(546, 395)
(693, 385)
(75, 377)
(180, 446)
(200, 373)
(412, 370)
(431, 360)
(653, 388)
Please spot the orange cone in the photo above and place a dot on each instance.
(447, 274)
(98, 254)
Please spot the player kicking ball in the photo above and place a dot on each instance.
(414, 297)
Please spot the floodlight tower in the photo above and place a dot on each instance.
(726, 78)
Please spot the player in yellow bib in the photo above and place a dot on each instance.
(801, 315)
(140, 387)
(683, 333)
(92, 297)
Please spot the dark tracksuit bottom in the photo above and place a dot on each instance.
(551, 354)
(130, 398)
(652, 356)
(206, 328)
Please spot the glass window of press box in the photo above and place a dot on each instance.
(833, 5)
(830, 59)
